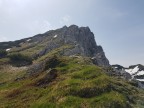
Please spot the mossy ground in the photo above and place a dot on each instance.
(79, 84)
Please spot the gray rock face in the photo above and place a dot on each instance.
(80, 38)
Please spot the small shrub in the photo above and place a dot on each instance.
(20, 60)
(52, 62)
(3, 53)
(14, 93)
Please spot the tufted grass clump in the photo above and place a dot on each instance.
(18, 59)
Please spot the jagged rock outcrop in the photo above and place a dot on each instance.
(72, 40)
(81, 40)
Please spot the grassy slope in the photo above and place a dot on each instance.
(79, 84)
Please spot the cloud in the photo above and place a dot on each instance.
(65, 20)
(45, 26)
(40, 26)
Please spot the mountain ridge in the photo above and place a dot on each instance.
(60, 69)
(81, 40)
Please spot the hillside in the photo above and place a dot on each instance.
(62, 68)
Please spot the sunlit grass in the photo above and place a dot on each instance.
(79, 84)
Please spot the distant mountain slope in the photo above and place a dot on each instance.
(135, 71)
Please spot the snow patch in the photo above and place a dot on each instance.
(93, 58)
(128, 70)
(136, 69)
(8, 49)
(28, 40)
(55, 36)
(140, 73)
(141, 80)
(132, 71)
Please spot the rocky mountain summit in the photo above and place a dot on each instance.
(72, 40)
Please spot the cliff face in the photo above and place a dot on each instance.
(79, 39)
(82, 41)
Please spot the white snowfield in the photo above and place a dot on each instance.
(140, 73)
(132, 71)
(135, 72)
(141, 80)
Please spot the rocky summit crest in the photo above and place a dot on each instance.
(72, 40)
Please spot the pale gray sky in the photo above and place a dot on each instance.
(118, 25)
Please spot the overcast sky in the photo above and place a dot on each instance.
(118, 25)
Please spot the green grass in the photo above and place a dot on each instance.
(4, 61)
(34, 50)
(78, 85)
